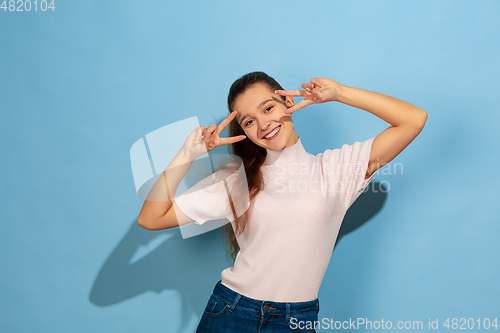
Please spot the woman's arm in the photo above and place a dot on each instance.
(158, 212)
(406, 120)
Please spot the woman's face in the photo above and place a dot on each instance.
(260, 114)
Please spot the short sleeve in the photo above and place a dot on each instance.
(346, 168)
(209, 198)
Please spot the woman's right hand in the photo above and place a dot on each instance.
(202, 140)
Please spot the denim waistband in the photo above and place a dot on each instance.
(286, 308)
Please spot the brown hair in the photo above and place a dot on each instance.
(252, 155)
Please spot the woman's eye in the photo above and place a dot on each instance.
(268, 109)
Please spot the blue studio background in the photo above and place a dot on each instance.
(80, 84)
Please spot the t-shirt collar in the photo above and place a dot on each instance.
(287, 155)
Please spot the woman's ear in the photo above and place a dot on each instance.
(289, 101)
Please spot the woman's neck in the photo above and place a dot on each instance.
(289, 154)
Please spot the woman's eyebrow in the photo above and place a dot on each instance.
(241, 119)
(279, 101)
(260, 105)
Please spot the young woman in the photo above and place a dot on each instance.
(295, 201)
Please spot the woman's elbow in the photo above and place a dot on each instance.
(422, 119)
(144, 223)
(140, 222)
(154, 225)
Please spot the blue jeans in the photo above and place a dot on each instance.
(229, 311)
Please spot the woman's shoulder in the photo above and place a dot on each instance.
(230, 170)
(343, 149)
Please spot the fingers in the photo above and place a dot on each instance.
(214, 130)
(318, 82)
(209, 134)
(307, 86)
(225, 122)
(298, 106)
(199, 133)
(314, 84)
(291, 92)
(233, 139)
(209, 131)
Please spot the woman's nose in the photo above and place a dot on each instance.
(264, 124)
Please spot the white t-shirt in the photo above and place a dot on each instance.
(288, 241)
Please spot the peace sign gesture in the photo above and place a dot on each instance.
(201, 140)
(320, 90)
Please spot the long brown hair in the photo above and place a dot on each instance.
(252, 155)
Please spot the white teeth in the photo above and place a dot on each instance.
(273, 132)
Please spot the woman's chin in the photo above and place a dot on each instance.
(277, 144)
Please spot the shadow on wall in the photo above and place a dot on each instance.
(363, 209)
(192, 266)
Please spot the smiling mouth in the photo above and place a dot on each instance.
(273, 133)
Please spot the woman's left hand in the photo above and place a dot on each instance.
(319, 90)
